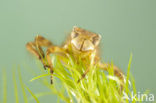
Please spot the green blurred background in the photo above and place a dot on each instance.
(126, 26)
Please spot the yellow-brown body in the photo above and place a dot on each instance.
(81, 44)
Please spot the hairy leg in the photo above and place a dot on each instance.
(36, 47)
(43, 42)
(53, 50)
(93, 59)
(31, 47)
(84, 74)
(117, 72)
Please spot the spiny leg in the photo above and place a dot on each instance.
(93, 60)
(83, 75)
(31, 47)
(117, 72)
(42, 42)
(37, 51)
(36, 47)
(52, 50)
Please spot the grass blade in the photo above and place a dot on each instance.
(4, 87)
(40, 76)
(128, 76)
(22, 86)
(32, 94)
(15, 88)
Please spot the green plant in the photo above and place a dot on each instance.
(96, 87)
(16, 89)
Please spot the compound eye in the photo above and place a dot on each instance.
(96, 39)
(74, 35)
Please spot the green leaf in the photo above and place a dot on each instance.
(32, 94)
(22, 86)
(40, 76)
(4, 87)
(15, 87)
